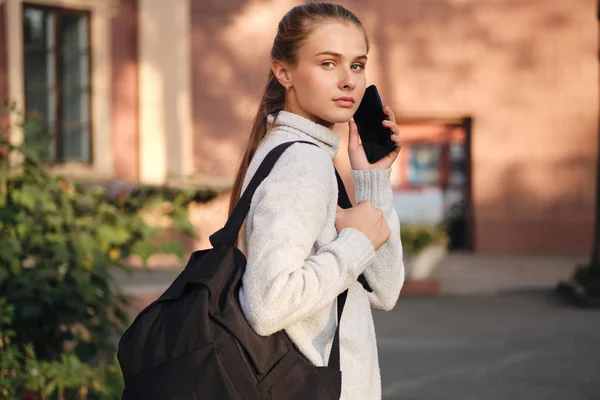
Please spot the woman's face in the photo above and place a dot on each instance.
(328, 79)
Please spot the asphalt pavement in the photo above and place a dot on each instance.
(509, 346)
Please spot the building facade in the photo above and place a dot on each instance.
(498, 101)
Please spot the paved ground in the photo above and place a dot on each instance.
(468, 273)
(520, 345)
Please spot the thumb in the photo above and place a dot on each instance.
(353, 138)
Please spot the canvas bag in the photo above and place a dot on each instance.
(195, 343)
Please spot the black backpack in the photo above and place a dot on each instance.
(194, 342)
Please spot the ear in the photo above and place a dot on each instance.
(282, 73)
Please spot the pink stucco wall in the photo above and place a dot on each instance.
(3, 55)
(525, 71)
(125, 104)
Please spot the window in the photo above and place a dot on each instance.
(457, 164)
(423, 165)
(56, 47)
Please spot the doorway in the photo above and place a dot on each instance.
(432, 177)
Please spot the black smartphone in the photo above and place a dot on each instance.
(375, 137)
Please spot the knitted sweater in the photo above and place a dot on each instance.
(298, 263)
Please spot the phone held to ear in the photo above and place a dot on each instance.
(375, 137)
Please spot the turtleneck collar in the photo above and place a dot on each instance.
(305, 129)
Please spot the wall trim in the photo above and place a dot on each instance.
(165, 91)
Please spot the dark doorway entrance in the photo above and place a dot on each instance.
(436, 158)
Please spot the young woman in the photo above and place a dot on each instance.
(302, 250)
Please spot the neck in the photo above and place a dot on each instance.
(305, 128)
(291, 105)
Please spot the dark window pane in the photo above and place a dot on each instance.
(40, 73)
(74, 51)
(423, 165)
(74, 83)
(75, 144)
(35, 28)
(457, 162)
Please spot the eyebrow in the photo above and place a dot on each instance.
(338, 55)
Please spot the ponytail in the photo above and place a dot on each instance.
(272, 102)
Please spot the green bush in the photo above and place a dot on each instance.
(23, 375)
(59, 244)
(416, 237)
(589, 278)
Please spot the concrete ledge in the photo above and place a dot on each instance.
(425, 287)
(469, 274)
(139, 301)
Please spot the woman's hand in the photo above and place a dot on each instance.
(358, 158)
(367, 219)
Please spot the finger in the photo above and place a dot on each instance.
(394, 154)
(353, 138)
(391, 125)
(395, 132)
(396, 139)
(365, 203)
(390, 114)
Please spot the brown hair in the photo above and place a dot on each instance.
(294, 29)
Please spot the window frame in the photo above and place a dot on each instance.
(59, 12)
(454, 134)
(458, 129)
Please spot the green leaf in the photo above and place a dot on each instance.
(113, 234)
(144, 249)
(185, 226)
(15, 266)
(10, 247)
(151, 232)
(31, 310)
(22, 229)
(172, 247)
(8, 214)
(83, 248)
(46, 274)
(25, 198)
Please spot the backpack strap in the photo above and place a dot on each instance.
(229, 233)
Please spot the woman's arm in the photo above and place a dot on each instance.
(385, 274)
(283, 283)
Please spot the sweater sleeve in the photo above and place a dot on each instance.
(283, 283)
(385, 274)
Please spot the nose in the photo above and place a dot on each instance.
(347, 80)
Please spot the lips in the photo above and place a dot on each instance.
(345, 102)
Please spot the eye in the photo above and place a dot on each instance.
(358, 66)
(327, 64)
